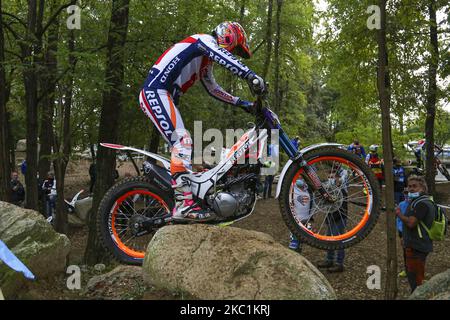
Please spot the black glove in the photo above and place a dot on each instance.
(256, 84)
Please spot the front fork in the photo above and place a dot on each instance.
(310, 173)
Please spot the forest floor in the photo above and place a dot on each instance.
(350, 284)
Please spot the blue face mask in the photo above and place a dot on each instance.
(413, 195)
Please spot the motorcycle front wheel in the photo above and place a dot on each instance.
(344, 220)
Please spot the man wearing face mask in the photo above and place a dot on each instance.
(416, 241)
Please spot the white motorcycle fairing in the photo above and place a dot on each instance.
(165, 162)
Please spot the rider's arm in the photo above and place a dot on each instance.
(215, 90)
(209, 47)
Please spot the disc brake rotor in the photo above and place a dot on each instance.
(326, 205)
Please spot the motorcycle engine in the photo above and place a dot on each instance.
(235, 201)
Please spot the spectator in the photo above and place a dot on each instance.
(23, 167)
(49, 190)
(17, 190)
(399, 181)
(296, 142)
(376, 164)
(336, 223)
(419, 152)
(268, 181)
(357, 149)
(302, 206)
(92, 175)
(416, 241)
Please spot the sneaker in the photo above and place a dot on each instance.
(402, 274)
(186, 208)
(325, 264)
(293, 245)
(336, 268)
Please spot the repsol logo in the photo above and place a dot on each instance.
(169, 68)
(227, 64)
(158, 112)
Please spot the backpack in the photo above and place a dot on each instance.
(438, 229)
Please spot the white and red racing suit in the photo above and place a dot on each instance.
(172, 75)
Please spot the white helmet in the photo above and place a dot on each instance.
(373, 147)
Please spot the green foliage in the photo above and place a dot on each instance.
(348, 56)
(327, 74)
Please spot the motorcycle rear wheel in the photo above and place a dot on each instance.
(123, 205)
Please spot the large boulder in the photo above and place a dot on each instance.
(437, 288)
(32, 239)
(208, 262)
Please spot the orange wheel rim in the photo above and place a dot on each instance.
(114, 211)
(367, 209)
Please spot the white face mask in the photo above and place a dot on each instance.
(413, 195)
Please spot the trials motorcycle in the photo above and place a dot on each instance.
(135, 208)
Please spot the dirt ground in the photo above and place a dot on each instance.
(351, 284)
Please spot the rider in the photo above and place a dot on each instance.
(176, 70)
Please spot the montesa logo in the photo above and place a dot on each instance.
(169, 68)
(238, 153)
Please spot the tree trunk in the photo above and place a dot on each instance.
(268, 39)
(29, 51)
(384, 92)
(5, 169)
(430, 172)
(277, 104)
(64, 145)
(234, 111)
(48, 89)
(109, 121)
